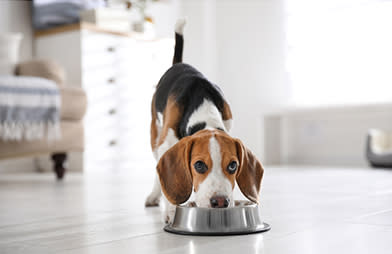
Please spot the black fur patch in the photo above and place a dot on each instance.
(195, 128)
(178, 48)
(189, 88)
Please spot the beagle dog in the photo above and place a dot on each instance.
(189, 138)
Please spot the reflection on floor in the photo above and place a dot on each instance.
(310, 209)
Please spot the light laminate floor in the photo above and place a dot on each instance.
(310, 209)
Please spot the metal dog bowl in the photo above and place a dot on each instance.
(243, 218)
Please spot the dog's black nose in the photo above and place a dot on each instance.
(219, 201)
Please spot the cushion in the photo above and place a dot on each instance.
(9, 52)
(73, 103)
(42, 68)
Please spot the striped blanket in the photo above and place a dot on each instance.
(29, 108)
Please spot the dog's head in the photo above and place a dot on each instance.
(210, 161)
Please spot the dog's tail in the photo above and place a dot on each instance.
(179, 46)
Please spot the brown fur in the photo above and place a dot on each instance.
(250, 173)
(174, 172)
(177, 174)
(171, 119)
(153, 128)
(226, 114)
(175, 168)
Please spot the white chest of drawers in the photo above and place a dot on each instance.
(118, 73)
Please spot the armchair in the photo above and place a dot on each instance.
(73, 108)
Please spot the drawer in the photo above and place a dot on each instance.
(131, 97)
(102, 61)
(93, 42)
(101, 94)
(136, 152)
(98, 60)
(100, 76)
(99, 142)
(101, 52)
(101, 126)
(100, 156)
(103, 109)
(109, 76)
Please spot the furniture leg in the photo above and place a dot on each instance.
(58, 164)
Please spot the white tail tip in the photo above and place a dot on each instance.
(179, 27)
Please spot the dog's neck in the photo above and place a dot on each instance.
(206, 116)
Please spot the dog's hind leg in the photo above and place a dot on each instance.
(156, 127)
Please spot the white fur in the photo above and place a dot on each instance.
(160, 118)
(154, 197)
(170, 140)
(158, 124)
(208, 113)
(179, 27)
(216, 182)
(228, 124)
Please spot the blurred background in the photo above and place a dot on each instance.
(308, 81)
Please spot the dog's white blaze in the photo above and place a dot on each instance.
(208, 113)
(216, 182)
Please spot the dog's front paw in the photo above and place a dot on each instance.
(152, 200)
(168, 215)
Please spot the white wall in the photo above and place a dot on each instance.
(200, 36)
(15, 16)
(325, 135)
(241, 46)
(165, 15)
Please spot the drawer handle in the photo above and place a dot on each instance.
(112, 80)
(112, 111)
(112, 143)
(111, 49)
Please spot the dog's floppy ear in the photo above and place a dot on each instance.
(250, 173)
(174, 172)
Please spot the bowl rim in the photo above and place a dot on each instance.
(247, 204)
(264, 227)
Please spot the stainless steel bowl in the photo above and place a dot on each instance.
(243, 218)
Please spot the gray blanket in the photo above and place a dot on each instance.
(29, 108)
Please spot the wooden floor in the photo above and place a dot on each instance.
(311, 210)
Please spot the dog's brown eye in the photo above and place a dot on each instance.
(200, 167)
(232, 167)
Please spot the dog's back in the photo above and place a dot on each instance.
(185, 101)
(189, 89)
